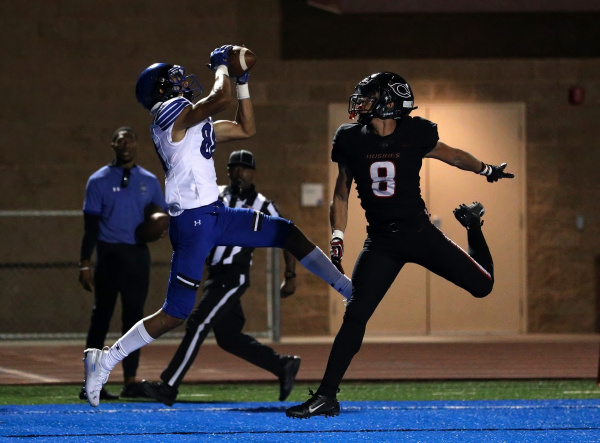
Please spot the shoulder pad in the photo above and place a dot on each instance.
(169, 111)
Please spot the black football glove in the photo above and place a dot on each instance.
(495, 173)
(337, 252)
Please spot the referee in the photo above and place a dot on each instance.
(220, 308)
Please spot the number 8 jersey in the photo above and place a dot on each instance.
(190, 176)
(386, 169)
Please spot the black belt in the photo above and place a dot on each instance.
(394, 226)
(387, 228)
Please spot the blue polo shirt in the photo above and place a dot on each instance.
(120, 209)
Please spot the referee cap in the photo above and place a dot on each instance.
(242, 157)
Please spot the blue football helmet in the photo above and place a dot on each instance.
(161, 82)
(374, 94)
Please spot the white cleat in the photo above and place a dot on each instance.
(95, 375)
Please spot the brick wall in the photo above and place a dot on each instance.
(69, 70)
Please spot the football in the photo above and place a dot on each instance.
(241, 59)
(153, 228)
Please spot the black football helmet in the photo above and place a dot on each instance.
(161, 82)
(374, 94)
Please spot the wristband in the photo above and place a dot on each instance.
(485, 169)
(223, 69)
(337, 234)
(85, 268)
(242, 91)
(290, 274)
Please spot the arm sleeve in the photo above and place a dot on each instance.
(91, 229)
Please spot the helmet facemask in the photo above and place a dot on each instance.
(363, 101)
(188, 86)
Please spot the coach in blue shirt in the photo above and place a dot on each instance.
(119, 198)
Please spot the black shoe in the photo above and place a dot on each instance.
(316, 405)
(160, 391)
(288, 376)
(133, 390)
(104, 395)
(470, 216)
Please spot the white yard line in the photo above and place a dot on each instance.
(28, 375)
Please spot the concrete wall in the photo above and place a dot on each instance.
(68, 75)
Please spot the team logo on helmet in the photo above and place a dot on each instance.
(401, 89)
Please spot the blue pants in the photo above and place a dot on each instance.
(196, 231)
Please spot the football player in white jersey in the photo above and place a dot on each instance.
(185, 138)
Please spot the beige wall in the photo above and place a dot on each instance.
(68, 75)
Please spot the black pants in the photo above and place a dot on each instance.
(220, 309)
(383, 256)
(124, 269)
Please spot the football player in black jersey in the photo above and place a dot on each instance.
(383, 154)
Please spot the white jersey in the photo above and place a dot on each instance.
(190, 176)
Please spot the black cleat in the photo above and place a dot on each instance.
(133, 390)
(470, 216)
(316, 405)
(288, 376)
(104, 395)
(160, 391)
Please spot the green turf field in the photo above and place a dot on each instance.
(350, 391)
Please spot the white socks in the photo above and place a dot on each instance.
(320, 265)
(133, 340)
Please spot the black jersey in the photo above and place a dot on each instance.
(386, 169)
(223, 258)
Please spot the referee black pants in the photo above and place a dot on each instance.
(220, 309)
(124, 269)
(383, 256)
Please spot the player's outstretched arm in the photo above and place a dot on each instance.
(217, 101)
(244, 125)
(467, 162)
(494, 173)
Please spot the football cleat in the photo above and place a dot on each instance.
(288, 376)
(104, 395)
(316, 405)
(95, 375)
(160, 391)
(470, 216)
(133, 390)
